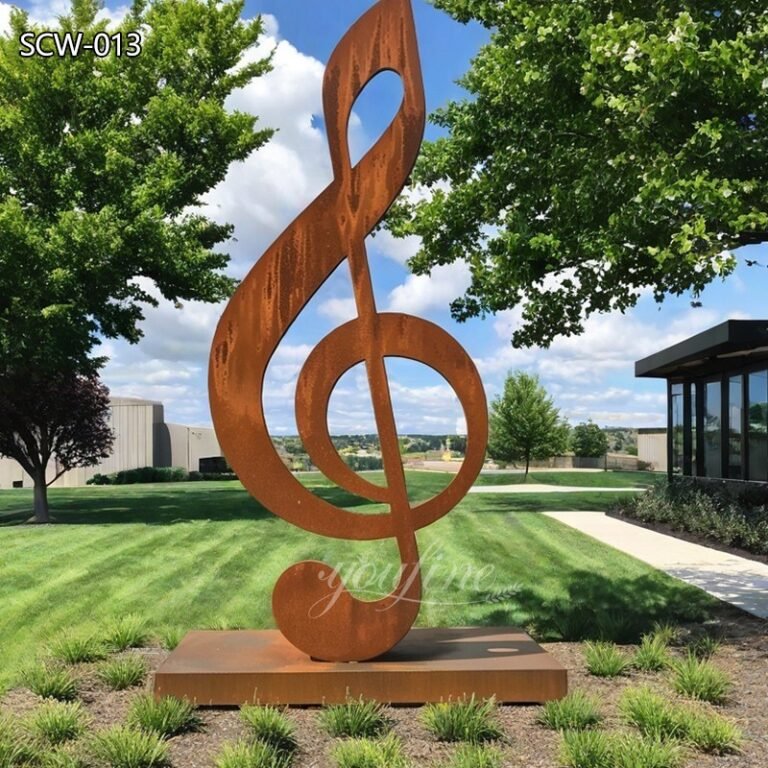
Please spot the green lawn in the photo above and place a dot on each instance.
(191, 554)
(610, 479)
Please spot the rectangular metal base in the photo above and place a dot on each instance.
(230, 668)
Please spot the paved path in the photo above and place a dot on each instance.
(736, 580)
(536, 488)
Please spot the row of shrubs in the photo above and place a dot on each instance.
(157, 475)
(714, 511)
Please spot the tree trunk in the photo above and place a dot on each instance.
(527, 465)
(41, 499)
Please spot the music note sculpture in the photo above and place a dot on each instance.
(228, 668)
(332, 229)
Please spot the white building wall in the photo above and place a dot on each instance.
(652, 448)
(190, 444)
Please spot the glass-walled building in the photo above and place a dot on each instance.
(717, 387)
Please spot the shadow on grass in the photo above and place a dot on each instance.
(550, 502)
(599, 608)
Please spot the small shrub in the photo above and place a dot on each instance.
(170, 637)
(462, 720)
(127, 632)
(72, 648)
(631, 751)
(652, 655)
(576, 711)
(652, 714)
(475, 756)
(666, 633)
(223, 625)
(605, 660)
(64, 758)
(365, 753)
(699, 679)
(123, 673)
(705, 646)
(121, 747)
(58, 721)
(710, 732)
(246, 755)
(165, 717)
(355, 719)
(16, 748)
(586, 749)
(271, 726)
(51, 681)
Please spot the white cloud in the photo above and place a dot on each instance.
(339, 310)
(420, 294)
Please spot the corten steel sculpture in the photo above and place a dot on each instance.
(269, 299)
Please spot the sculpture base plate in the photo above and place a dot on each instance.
(230, 668)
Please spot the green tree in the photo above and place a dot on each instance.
(589, 440)
(606, 148)
(524, 423)
(104, 163)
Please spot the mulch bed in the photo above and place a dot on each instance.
(744, 656)
(693, 538)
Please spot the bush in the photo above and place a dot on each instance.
(56, 722)
(123, 673)
(74, 648)
(245, 755)
(51, 681)
(700, 679)
(462, 720)
(365, 753)
(652, 714)
(364, 463)
(475, 756)
(640, 752)
(121, 747)
(170, 637)
(605, 660)
(737, 518)
(354, 718)
(142, 475)
(652, 655)
(164, 717)
(586, 749)
(710, 732)
(129, 631)
(271, 726)
(576, 711)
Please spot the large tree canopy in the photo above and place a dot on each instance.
(606, 147)
(102, 162)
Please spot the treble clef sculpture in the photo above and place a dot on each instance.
(333, 228)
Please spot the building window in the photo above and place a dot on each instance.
(677, 428)
(692, 428)
(735, 419)
(758, 426)
(712, 429)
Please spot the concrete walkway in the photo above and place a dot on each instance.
(536, 488)
(736, 580)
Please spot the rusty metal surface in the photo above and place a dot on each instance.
(231, 668)
(333, 228)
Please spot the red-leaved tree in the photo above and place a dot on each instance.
(62, 415)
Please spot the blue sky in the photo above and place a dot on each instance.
(589, 377)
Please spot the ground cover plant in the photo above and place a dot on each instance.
(364, 719)
(56, 722)
(369, 753)
(605, 659)
(468, 719)
(164, 717)
(271, 726)
(243, 754)
(575, 712)
(701, 679)
(50, 681)
(122, 747)
(123, 672)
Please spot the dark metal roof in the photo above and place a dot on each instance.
(730, 344)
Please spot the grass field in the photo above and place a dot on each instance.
(611, 479)
(195, 554)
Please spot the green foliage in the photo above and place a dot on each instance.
(365, 753)
(605, 659)
(77, 648)
(121, 747)
(710, 732)
(142, 475)
(270, 725)
(355, 718)
(56, 722)
(364, 463)
(574, 712)
(105, 160)
(123, 672)
(589, 440)
(700, 679)
(524, 424)
(129, 631)
(599, 150)
(16, 746)
(50, 680)
(712, 512)
(64, 757)
(652, 655)
(704, 646)
(651, 713)
(466, 719)
(630, 751)
(164, 717)
(251, 755)
(586, 749)
(170, 637)
(475, 756)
